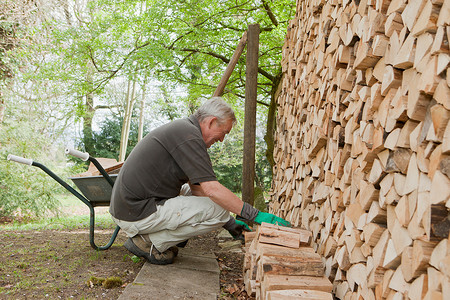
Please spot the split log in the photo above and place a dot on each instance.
(368, 154)
(283, 236)
(298, 294)
(288, 282)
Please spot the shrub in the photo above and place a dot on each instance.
(25, 191)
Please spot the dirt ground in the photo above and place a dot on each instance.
(62, 265)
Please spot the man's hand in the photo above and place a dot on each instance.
(241, 223)
(237, 228)
(270, 218)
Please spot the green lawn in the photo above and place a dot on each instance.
(73, 214)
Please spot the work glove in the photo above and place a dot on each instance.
(250, 213)
(270, 218)
(235, 228)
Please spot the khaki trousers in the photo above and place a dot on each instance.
(179, 219)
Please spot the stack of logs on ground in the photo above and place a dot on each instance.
(280, 264)
(363, 143)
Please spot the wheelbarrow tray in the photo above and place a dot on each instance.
(95, 188)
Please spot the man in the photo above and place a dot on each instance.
(167, 192)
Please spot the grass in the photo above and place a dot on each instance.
(50, 257)
(64, 220)
(62, 223)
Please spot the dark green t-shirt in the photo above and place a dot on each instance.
(158, 166)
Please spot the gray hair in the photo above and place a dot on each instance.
(215, 107)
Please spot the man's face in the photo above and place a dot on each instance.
(213, 131)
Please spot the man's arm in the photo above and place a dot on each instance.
(222, 196)
(229, 201)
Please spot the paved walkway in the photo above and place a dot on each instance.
(192, 276)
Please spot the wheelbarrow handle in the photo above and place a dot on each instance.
(83, 155)
(22, 160)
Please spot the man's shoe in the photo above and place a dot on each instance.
(174, 249)
(140, 247)
(182, 244)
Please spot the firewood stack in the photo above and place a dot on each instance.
(363, 143)
(280, 264)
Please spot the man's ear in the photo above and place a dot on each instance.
(211, 121)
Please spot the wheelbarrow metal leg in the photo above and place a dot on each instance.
(85, 201)
(116, 231)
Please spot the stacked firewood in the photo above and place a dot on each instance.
(280, 264)
(363, 143)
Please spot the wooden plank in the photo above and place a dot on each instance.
(263, 249)
(418, 288)
(440, 188)
(249, 284)
(231, 65)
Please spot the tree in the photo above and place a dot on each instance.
(185, 42)
(130, 100)
(227, 162)
(35, 114)
(66, 57)
(201, 41)
(25, 191)
(107, 139)
(11, 14)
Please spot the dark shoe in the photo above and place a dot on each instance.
(182, 244)
(174, 249)
(139, 247)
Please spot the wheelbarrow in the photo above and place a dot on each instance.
(96, 189)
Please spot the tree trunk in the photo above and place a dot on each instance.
(271, 121)
(89, 110)
(88, 139)
(2, 108)
(127, 120)
(2, 111)
(141, 115)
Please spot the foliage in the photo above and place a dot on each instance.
(25, 191)
(107, 140)
(227, 162)
(12, 13)
(68, 54)
(187, 42)
(184, 43)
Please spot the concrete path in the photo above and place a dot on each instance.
(192, 276)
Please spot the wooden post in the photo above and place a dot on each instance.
(248, 165)
(233, 61)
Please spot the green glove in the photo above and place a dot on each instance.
(235, 228)
(246, 228)
(270, 218)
